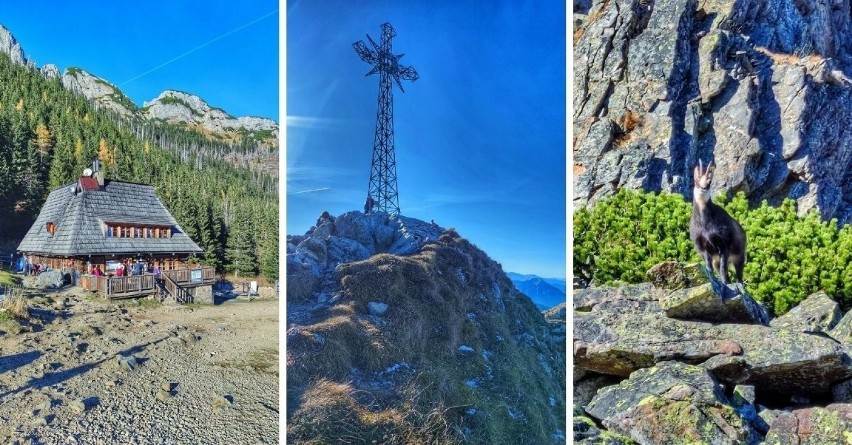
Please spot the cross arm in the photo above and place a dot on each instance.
(365, 53)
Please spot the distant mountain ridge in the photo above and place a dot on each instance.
(170, 106)
(544, 292)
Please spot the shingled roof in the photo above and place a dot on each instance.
(80, 216)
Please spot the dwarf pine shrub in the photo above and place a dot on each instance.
(789, 257)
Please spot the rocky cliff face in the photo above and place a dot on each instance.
(9, 45)
(399, 331)
(703, 365)
(763, 87)
(98, 90)
(176, 106)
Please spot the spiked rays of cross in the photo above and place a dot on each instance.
(383, 60)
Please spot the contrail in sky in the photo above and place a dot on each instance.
(201, 46)
(311, 191)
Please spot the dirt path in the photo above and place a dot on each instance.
(97, 372)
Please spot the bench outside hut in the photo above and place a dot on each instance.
(97, 223)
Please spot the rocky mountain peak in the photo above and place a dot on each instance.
(414, 316)
(10, 46)
(177, 106)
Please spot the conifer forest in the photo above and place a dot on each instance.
(49, 135)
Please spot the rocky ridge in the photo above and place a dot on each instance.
(177, 106)
(763, 87)
(391, 318)
(171, 106)
(649, 369)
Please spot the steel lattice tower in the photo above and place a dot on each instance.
(382, 185)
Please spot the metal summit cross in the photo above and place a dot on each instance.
(382, 187)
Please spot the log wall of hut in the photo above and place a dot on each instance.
(84, 265)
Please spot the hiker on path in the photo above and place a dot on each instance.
(368, 205)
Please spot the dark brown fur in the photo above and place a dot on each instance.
(717, 236)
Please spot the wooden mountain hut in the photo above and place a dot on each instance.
(101, 224)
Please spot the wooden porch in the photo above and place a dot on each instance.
(175, 282)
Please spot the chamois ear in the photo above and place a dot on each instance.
(696, 173)
(710, 169)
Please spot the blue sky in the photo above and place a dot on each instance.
(480, 137)
(223, 51)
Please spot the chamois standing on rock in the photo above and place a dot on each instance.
(717, 236)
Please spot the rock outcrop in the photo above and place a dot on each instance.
(763, 87)
(177, 106)
(50, 71)
(98, 90)
(710, 382)
(10, 46)
(351, 237)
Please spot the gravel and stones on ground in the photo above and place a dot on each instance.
(93, 371)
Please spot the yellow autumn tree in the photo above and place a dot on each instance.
(43, 140)
(20, 105)
(104, 153)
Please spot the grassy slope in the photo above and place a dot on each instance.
(448, 295)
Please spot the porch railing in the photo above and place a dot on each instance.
(116, 287)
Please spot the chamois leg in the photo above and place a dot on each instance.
(708, 261)
(739, 262)
(723, 267)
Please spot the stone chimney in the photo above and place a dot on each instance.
(97, 173)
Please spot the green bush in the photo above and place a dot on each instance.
(789, 257)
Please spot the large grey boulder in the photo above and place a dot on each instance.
(817, 313)
(618, 339)
(813, 426)
(642, 294)
(716, 304)
(49, 279)
(842, 331)
(671, 403)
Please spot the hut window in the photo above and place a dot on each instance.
(148, 233)
(109, 231)
(51, 228)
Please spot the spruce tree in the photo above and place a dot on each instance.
(241, 248)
